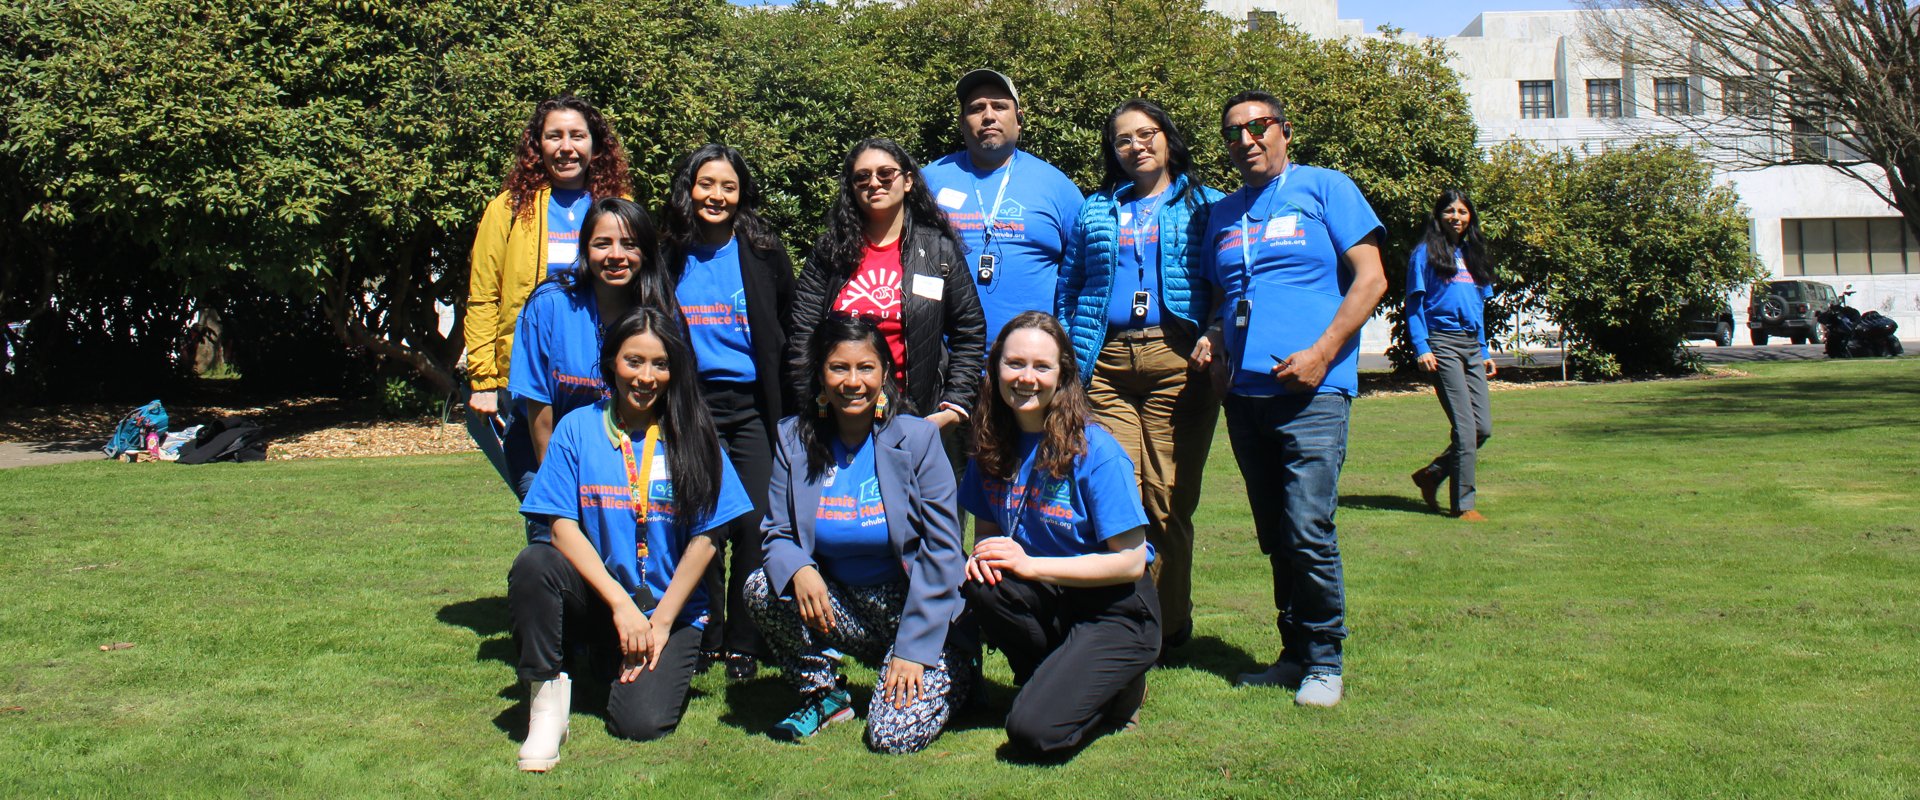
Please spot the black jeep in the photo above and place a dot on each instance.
(1787, 308)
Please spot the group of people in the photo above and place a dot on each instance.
(720, 462)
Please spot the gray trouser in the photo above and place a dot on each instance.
(1461, 383)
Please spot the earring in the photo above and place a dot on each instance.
(820, 405)
(880, 407)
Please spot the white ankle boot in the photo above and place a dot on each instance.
(550, 703)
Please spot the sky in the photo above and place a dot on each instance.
(1418, 16)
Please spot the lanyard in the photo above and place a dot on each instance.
(1143, 219)
(1246, 232)
(639, 485)
(988, 219)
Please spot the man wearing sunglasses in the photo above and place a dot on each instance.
(1296, 271)
(1011, 209)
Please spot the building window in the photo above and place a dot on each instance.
(1536, 100)
(1263, 20)
(1857, 246)
(1603, 98)
(1743, 97)
(1671, 98)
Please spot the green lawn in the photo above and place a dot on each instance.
(1688, 589)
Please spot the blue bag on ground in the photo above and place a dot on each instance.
(131, 433)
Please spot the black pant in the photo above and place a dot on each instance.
(553, 606)
(746, 437)
(1080, 655)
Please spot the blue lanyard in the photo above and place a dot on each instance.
(1246, 230)
(989, 219)
(1143, 219)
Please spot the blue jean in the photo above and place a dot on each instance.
(489, 433)
(511, 453)
(1290, 449)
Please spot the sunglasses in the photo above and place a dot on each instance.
(879, 177)
(1257, 126)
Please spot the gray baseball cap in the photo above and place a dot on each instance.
(983, 77)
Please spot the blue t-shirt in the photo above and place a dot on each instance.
(566, 210)
(1296, 228)
(850, 527)
(584, 479)
(1029, 238)
(556, 349)
(713, 298)
(1071, 516)
(1139, 266)
(1458, 305)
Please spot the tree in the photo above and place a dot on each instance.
(1613, 246)
(1829, 82)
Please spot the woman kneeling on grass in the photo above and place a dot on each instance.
(862, 548)
(635, 489)
(1058, 573)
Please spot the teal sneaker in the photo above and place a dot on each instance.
(815, 715)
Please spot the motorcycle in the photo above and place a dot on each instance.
(1851, 334)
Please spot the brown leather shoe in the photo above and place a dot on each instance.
(1470, 515)
(1429, 482)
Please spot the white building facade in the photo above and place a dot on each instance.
(1529, 76)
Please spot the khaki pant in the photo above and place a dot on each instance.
(1142, 394)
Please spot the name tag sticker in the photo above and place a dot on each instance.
(562, 252)
(1282, 227)
(1126, 218)
(951, 199)
(929, 287)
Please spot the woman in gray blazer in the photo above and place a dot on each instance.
(863, 551)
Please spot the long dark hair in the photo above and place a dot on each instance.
(845, 239)
(606, 171)
(1179, 160)
(649, 285)
(1473, 248)
(996, 432)
(693, 448)
(818, 425)
(680, 221)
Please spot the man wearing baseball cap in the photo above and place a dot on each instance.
(1011, 209)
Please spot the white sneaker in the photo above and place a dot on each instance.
(550, 703)
(1320, 690)
(1282, 673)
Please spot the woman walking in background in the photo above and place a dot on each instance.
(566, 156)
(889, 252)
(734, 285)
(1448, 284)
(635, 489)
(863, 549)
(1129, 301)
(1058, 577)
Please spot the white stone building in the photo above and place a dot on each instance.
(1529, 76)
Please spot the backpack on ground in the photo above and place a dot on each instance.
(131, 433)
(225, 439)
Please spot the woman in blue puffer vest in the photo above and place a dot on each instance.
(1132, 301)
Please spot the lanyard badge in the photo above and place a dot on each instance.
(639, 485)
(989, 218)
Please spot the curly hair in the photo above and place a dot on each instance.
(845, 240)
(818, 430)
(606, 172)
(996, 432)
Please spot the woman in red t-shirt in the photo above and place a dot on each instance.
(889, 253)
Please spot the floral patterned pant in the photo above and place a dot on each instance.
(866, 619)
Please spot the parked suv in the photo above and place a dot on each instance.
(1787, 308)
(1712, 320)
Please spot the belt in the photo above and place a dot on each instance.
(1137, 334)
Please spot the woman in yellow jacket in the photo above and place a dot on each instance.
(566, 157)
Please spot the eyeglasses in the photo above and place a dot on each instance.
(1257, 126)
(1140, 140)
(879, 177)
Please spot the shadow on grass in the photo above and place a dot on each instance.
(487, 616)
(1750, 409)
(756, 706)
(1384, 502)
(1211, 654)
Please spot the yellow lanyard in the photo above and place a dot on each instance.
(638, 484)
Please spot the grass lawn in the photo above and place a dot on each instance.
(1688, 589)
